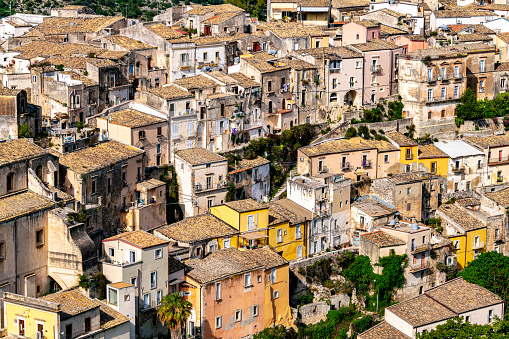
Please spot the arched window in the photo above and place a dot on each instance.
(38, 172)
(10, 182)
(333, 97)
(270, 106)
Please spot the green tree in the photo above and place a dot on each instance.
(278, 332)
(468, 108)
(457, 328)
(99, 283)
(83, 281)
(364, 132)
(24, 131)
(360, 273)
(173, 312)
(491, 271)
(375, 114)
(350, 133)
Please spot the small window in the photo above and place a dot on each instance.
(408, 191)
(408, 206)
(238, 316)
(93, 187)
(255, 310)
(247, 280)
(141, 135)
(2, 250)
(219, 322)
(456, 244)
(218, 291)
(276, 294)
(159, 131)
(88, 324)
(490, 316)
(159, 253)
(111, 252)
(259, 279)
(153, 279)
(39, 237)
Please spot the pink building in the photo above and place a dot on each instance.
(359, 32)
(410, 42)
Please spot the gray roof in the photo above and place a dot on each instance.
(457, 148)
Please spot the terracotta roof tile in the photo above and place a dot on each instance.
(127, 43)
(382, 239)
(246, 205)
(199, 156)
(243, 80)
(71, 302)
(490, 141)
(22, 203)
(373, 208)
(265, 63)
(267, 257)
(460, 217)
(132, 118)
(139, 238)
(382, 331)
(501, 197)
(246, 164)
(149, 184)
(279, 210)
(400, 139)
(197, 228)
(346, 145)
(165, 32)
(109, 317)
(375, 45)
(462, 13)
(195, 82)
(18, 149)
(93, 158)
(431, 151)
(331, 52)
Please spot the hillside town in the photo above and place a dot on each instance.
(324, 169)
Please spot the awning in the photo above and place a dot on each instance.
(175, 281)
(253, 236)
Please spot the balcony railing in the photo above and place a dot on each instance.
(458, 169)
(421, 248)
(431, 79)
(409, 156)
(335, 70)
(499, 237)
(213, 186)
(458, 76)
(375, 68)
(366, 163)
(498, 160)
(345, 166)
(478, 245)
(420, 266)
(324, 169)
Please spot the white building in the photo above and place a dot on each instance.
(455, 298)
(498, 25)
(251, 178)
(466, 164)
(456, 17)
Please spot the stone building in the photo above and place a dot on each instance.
(287, 40)
(251, 178)
(202, 179)
(480, 66)
(496, 153)
(368, 214)
(15, 112)
(314, 13)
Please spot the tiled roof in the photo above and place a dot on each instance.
(170, 92)
(306, 3)
(279, 210)
(298, 32)
(127, 43)
(346, 145)
(267, 257)
(501, 197)
(400, 139)
(197, 228)
(462, 13)
(149, 184)
(79, 62)
(490, 141)
(404, 178)
(431, 151)
(222, 17)
(392, 13)
(245, 205)
(451, 51)
(195, 82)
(222, 264)
(246, 164)
(460, 217)
(299, 64)
(503, 66)
(373, 208)
(12, 23)
(93, 158)
(121, 285)
(58, 25)
(375, 45)
(388, 30)
(71, 302)
(198, 156)
(331, 52)
(474, 37)
(112, 55)
(9, 92)
(243, 80)
(421, 310)
(217, 9)
(18, 149)
(462, 296)
(73, 7)
(350, 3)
(76, 76)
(165, 32)
(415, 37)
(497, 7)
(382, 239)
(260, 61)
(109, 317)
(132, 118)
(22, 203)
(382, 331)
(174, 265)
(45, 48)
(477, 28)
(138, 238)
(368, 23)
(300, 212)
(467, 202)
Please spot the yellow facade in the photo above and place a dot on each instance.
(466, 248)
(288, 248)
(32, 318)
(277, 311)
(441, 165)
(403, 155)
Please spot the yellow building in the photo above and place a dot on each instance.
(467, 233)
(407, 147)
(197, 236)
(248, 216)
(434, 159)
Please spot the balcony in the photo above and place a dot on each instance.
(334, 70)
(481, 90)
(375, 68)
(431, 79)
(366, 163)
(478, 245)
(458, 170)
(209, 187)
(458, 76)
(323, 169)
(345, 166)
(185, 66)
(498, 237)
(420, 266)
(409, 156)
(440, 100)
(498, 161)
(421, 248)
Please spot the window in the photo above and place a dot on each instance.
(88, 325)
(280, 235)
(146, 299)
(490, 316)
(334, 83)
(357, 37)
(481, 86)
(112, 296)
(408, 206)
(295, 46)
(134, 281)
(442, 72)
(502, 83)
(158, 253)
(238, 315)
(10, 182)
(386, 158)
(456, 71)
(255, 310)
(482, 65)
(158, 148)
(408, 191)
(317, 43)
(497, 233)
(159, 131)
(247, 280)
(205, 56)
(226, 243)
(217, 55)
(333, 97)
(158, 297)
(477, 240)
(39, 237)
(456, 91)
(407, 71)
(68, 331)
(34, 78)
(218, 322)
(430, 73)
(218, 291)
(250, 222)
(467, 319)
(132, 256)
(272, 276)
(172, 109)
(153, 279)
(430, 94)
(443, 93)
(298, 233)
(93, 186)
(456, 244)
(141, 135)
(111, 252)
(276, 294)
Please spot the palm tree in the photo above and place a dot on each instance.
(173, 312)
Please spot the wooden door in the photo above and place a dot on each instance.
(21, 327)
